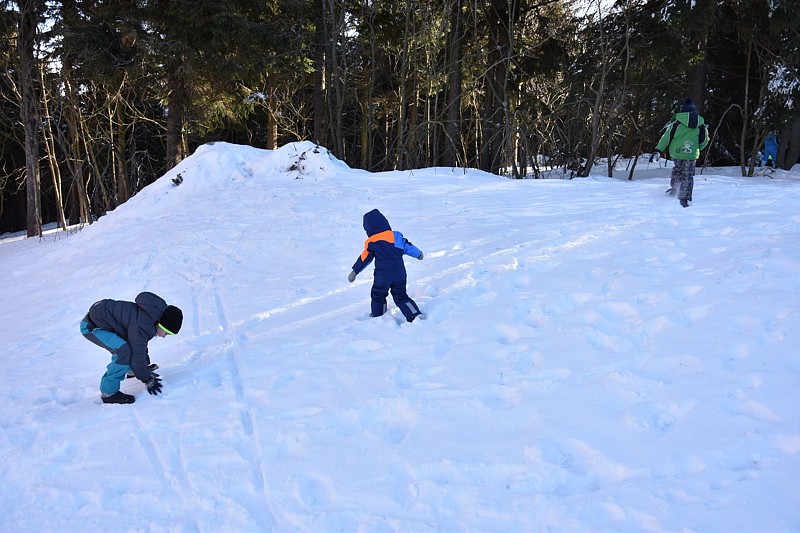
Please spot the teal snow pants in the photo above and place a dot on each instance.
(115, 373)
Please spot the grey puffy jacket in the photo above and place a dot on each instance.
(133, 321)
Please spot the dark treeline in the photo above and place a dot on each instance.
(99, 98)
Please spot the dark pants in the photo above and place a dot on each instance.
(683, 179)
(380, 290)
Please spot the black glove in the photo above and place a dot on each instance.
(420, 256)
(153, 384)
(352, 276)
(130, 374)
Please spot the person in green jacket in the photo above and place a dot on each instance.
(685, 135)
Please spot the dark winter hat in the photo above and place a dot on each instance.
(171, 320)
(688, 106)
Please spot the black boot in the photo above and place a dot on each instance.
(118, 397)
(685, 203)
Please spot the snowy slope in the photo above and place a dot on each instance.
(595, 357)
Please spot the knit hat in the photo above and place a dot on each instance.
(688, 106)
(171, 320)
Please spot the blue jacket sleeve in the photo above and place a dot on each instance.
(410, 249)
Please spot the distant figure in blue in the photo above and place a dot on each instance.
(770, 150)
(387, 247)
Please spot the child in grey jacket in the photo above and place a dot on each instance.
(124, 329)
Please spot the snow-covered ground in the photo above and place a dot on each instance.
(595, 357)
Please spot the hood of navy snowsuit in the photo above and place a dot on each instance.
(133, 321)
(375, 222)
(386, 247)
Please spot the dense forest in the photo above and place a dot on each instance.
(99, 98)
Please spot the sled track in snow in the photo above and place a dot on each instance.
(540, 252)
(206, 288)
(251, 453)
(172, 472)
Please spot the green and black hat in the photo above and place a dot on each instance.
(171, 320)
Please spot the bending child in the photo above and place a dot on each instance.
(124, 329)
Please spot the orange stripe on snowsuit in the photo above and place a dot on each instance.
(387, 236)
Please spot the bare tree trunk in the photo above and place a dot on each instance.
(320, 82)
(412, 154)
(636, 157)
(455, 49)
(50, 147)
(697, 74)
(595, 130)
(750, 122)
(605, 110)
(26, 42)
(599, 97)
(78, 203)
(72, 146)
(495, 76)
(333, 22)
(95, 171)
(510, 104)
(717, 126)
(404, 94)
(790, 146)
(272, 114)
(367, 119)
(364, 126)
(119, 147)
(178, 100)
(758, 141)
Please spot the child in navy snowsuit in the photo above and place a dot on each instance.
(124, 329)
(387, 247)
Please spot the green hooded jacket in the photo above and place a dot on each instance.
(685, 136)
